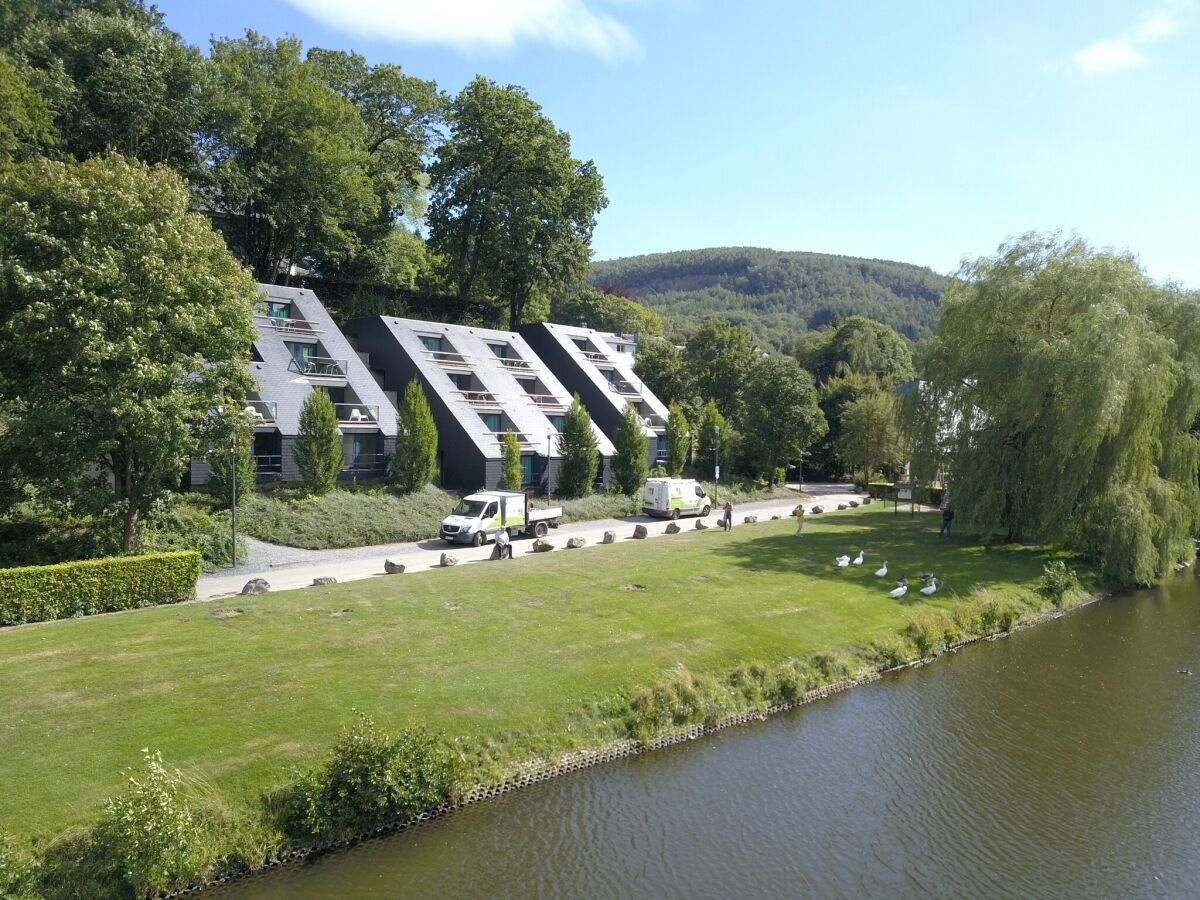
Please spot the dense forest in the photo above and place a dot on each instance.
(777, 295)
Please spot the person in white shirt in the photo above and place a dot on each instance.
(504, 544)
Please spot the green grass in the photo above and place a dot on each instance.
(502, 657)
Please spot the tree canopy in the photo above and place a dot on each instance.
(580, 456)
(780, 414)
(630, 465)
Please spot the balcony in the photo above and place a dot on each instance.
(511, 362)
(268, 464)
(625, 388)
(321, 368)
(303, 330)
(479, 398)
(367, 462)
(654, 421)
(353, 414)
(448, 360)
(522, 440)
(548, 401)
(261, 412)
(594, 356)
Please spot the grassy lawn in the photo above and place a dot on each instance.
(502, 656)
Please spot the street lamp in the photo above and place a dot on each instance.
(233, 448)
(549, 488)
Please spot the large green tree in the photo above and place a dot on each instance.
(679, 440)
(857, 346)
(126, 324)
(120, 83)
(318, 451)
(26, 121)
(1064, 383)
(415, 461)
(630, 464)
(715, 439)
(870, 437)
(512, 211)
(663, 369)
(289, 170)
(580, 457)
(511, 477)
(780, 415)
(604, 312)
(719, 357)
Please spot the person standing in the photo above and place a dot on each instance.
(799, 514)
(947, 521)
(727, 520)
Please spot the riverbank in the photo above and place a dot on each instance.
(514, 663)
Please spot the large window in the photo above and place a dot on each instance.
(609, 375)
(431, 342)
(302, 354)
(365, 450)
(557, 422)
(491, 420)
(661, 451)
(526, 469)
(498, 349)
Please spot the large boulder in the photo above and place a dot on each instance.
(575, 543)
(640, 532)
(842, 506)
(866, 500)
(816, 510)
(672, 528)
(392, 568)
(750, 520)
(854, 504)
(701, 525)
(256, 586)
(774, 518)
(323, 580)
(542, 546)
(610, 537)
(449, 559)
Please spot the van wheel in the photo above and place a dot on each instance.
(707, 509)
(540, 529)
(478, 540)
(674, 514)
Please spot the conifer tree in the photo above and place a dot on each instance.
(415, 461)
(319, 445)
(629, 465)
(580, 459)
(511, 477)
(678, 438)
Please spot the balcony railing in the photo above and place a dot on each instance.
(548, 401)
(268, 464)
(261, 411)
(446, 358)
(479, 398)
(367, 462)
(289, 326)
(320, 367)
(521, 439)
(654, 421)
(624, 388)
(356, 413)
(594, 356)
(512, 362)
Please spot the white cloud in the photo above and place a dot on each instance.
(478, 24)
(1122, 52)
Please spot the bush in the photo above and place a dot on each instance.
(220, 469)
(372, 779)
(681, 699)
(1057, 582)
(183, 526)
(40, 593)
(18, 871)
(318, 450)
(932, 631)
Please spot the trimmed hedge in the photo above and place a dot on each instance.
(65, 590)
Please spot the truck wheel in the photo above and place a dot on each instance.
(478, 540)
(540, 529)
(707, 509)
(674, 514)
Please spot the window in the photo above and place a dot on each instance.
(490, 512)
(608, 374)
(529, 384)
(364, 450)
(557, 422)
(661, 452)
(302, 354)
(526, 469)
(276, 310)
(491, 420)
(431, 342)
(462, 380)
(581, 343)
(498, 349)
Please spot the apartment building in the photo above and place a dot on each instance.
(480, 383)
(598, 366)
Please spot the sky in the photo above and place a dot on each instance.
(919, 131)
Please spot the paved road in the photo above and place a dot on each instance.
(287, 567)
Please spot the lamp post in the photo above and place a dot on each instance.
(716, 465)
(233, 451)
(549, 459)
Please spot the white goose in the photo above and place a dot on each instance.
(842, 561)
(932, 587)
(858, 560)
(899, 592)
(881, 572)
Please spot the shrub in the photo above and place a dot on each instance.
(373, 779)
(793, 680)
(220, 468)
(39, 593)
(1057, 582)
(891, 651)
(993, 613)
(511, 476)
(680, 699)
(780, 475)
(580, 458)
(18, 870)
(318, 445)
(182, 526)
(629, 465)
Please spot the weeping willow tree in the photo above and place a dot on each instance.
(1063, 387)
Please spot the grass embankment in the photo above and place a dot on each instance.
(511, 660)
(366, 515)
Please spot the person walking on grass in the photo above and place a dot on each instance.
(727, 518)
(947, 521)
(799, 514)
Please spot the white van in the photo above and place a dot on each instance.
(675, 497)
(478, 517)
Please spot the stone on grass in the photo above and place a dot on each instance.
(701, 525)
(773, 518)
(610, 537)
(449, 559)
(575, 543)
(750, 520)
(842, 506)
(324, 579)
(256, 586)
(866, 500)
(541, 546)
(639, 531)
(854, 504)
(392, 568)
(672, 528)
(816, 510)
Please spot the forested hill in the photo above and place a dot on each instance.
(776, 294)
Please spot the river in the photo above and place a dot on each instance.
(1061, 762)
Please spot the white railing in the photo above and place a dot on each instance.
(478, 398)
(356, 413)
(321, 367)
(514, 363)
(548, 400)
(624, 388)
(446, 358)
(261, 410)
(521, 439)
(289, 326)
(594, 356)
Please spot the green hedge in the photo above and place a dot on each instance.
(40, 593)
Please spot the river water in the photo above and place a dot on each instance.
(1061, 762)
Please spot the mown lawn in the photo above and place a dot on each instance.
(502, 656)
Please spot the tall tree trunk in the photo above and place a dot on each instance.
(129, 534)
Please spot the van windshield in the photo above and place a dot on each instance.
(469, 508)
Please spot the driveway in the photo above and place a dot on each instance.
(288, 567)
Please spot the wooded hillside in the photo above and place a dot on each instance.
(775, 294)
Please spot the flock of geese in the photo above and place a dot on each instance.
(932, 583)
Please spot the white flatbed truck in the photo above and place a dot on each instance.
(480, 516)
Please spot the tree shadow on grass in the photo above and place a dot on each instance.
(910, 545)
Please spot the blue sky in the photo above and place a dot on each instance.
(922, 132)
